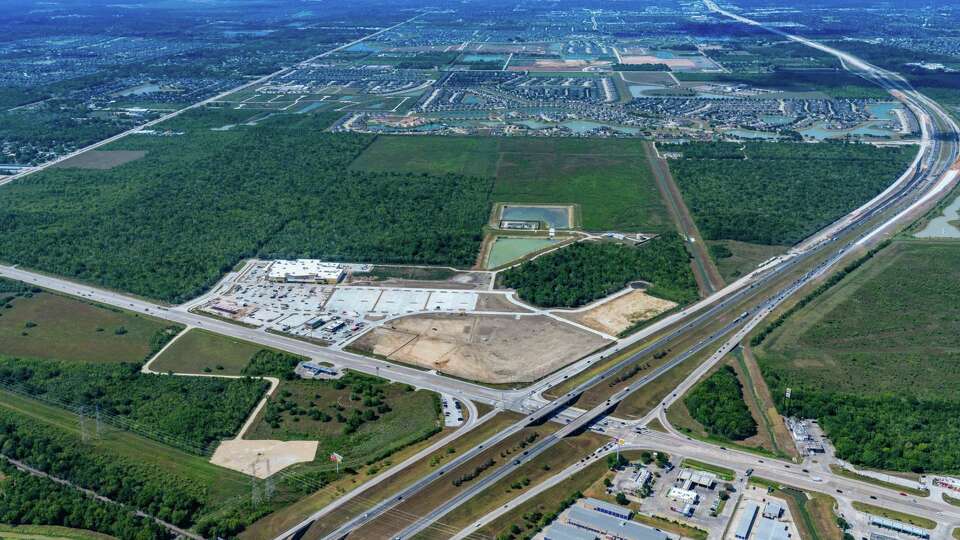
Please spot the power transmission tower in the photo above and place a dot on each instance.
(84, 436)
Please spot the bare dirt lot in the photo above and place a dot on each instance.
(620, 313)
(498, 302)
(263, 458)
(492, 349)
(102, 159)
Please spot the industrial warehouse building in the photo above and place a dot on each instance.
(305, 271)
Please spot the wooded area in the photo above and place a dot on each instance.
(780, 193)
(717, 403)
(168, 225)
(586, 271)
(192, 412)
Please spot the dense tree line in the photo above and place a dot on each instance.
(194, 411)
(32, 500)
(780, 193)
(884, 431)
(717, 403)
(585, 271)
(268, 363)
(174, 499)
(168, 225)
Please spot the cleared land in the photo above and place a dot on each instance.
(609, 179)
(199, 351)
(47, 325)
(101, 159)
(877, 359)
(263, 458)
(492, 349)
(622, 312)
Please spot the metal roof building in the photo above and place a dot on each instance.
(768, 529)
(746, 520)
(614, 510)
(561, 531)
(603, 524)
(899, 526)
(772, 510)
(305, 271)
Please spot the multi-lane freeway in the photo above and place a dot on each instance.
(928, 179)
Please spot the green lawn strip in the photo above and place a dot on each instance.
(223, 484)
(846, 473)
(917, 521)
(758, 403)
(388, 487)
(50, 325)
(722, 472)
(956, 533)
(201, 351)
(950, 500)
(48, 532)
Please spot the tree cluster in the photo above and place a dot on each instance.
(586, 271)
(32, 500)
(717, 403)
(191, 412)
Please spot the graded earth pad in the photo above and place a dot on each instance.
(491, 349)
(263, 458)
(622, 312)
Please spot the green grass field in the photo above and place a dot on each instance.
(894, 515)
(609, 179)
(891, 327)
(743, 257)
(48, 532)
(47, 325)
(722, 472)
(198, 351)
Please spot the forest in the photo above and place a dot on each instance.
(188, 412)
(876, 359)
(780, 193)
(168, 225)
(32, 500)
(717, 403)
(174, 499)
(586, 271)
(269, 363)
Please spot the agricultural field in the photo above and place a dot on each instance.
(167, 225)
(39, 324)
(875, 358)
(608, 179)
(199, 351)
(586, 271)
(779, 193)
(362, 418)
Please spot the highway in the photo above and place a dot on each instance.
(929, 178)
